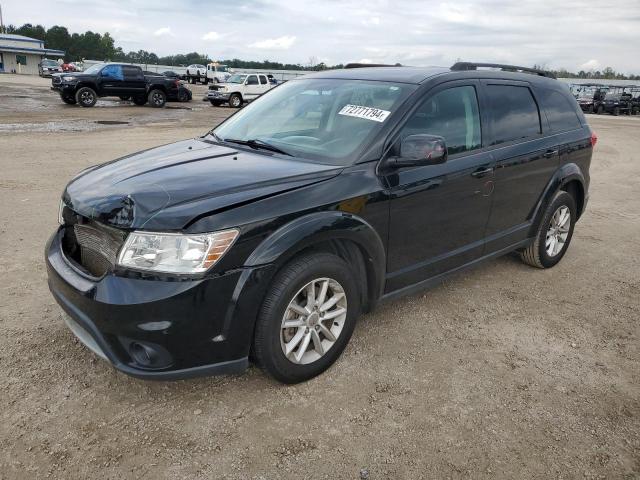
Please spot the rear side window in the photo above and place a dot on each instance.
(451, 114)
(561, 111)
(514, 111)
(263, 80)
(131, 73)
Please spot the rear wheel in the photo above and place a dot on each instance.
(235, 100)
(307, 318)
(600, 110)
(157, 98)
(616, 111)
(590, 109)
(141, 100)
(183, 95)
(86, 97)
(554, 233)
(215, 103)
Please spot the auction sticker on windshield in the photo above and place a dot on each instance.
(368, 113)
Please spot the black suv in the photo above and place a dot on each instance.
(590, 96)
(617, 100)
(268, 236)
(111, 80)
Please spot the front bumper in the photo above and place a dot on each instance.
(217, 96)
(160, 328)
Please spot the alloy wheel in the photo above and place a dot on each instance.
(157, 98)
(86, 97)
(558, 231)
(313, 321)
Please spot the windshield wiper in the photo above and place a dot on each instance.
(257, 144)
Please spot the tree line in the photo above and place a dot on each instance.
(95, 46)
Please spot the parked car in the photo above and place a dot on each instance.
(70, 67)
(111, 80)
(196, 73)
(635, 100)
(239, 89)
(268, 236)
(615, 102)
(175, 88)
(47, 68)
(174, 75)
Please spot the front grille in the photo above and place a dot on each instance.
(56, 80)
(93, 246)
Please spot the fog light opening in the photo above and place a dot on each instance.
(142, 355)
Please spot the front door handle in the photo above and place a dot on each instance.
(550, 153)
(481, 172)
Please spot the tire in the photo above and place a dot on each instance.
(538, 254)
(290, 285)
(140, 101)
(157, 98)
(86, 97)
(590, 109)
(235, 100)
(215, 103)
(183, 96)
(68, 100)
(616, 111)
(600, 110)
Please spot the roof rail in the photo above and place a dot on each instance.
(365, 65)
(461, 66)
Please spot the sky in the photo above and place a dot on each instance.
(576, 35)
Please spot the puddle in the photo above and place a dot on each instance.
(78, 126)
(111, 122)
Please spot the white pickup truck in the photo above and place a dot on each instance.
(212, 72)
(238, 89)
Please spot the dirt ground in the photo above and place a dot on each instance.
(502, 372)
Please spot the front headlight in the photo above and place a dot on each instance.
(69, 79)
(175, 253)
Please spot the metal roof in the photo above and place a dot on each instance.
(19, 38)
(32, 51)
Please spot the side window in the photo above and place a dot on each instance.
(515, 113)
(452, 114)
(561, 111)
(131, 73)
(263, 80)
(113, 71)
(252, 80)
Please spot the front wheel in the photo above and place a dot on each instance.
(69, 100)
(157, 98)
(86, 97)
(307, 318)
(235, 100)
(554, 233)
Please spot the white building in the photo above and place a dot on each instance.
(23, 54)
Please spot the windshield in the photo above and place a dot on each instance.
(222, 68)
(94, 68)
(318, 119)
(236, 79)
(49, 63)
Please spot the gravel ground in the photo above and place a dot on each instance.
(502, 372)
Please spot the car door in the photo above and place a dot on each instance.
(264, 83)
(111, 80)
(251, 87)
(438, 213)
(526, 158)
(134, 81)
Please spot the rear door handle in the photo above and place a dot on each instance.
(481, 172)
(550, 153)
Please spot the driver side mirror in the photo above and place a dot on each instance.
(420, 149)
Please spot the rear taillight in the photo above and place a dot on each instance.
(177, 83)
(594, 139)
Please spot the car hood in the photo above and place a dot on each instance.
(167, 187)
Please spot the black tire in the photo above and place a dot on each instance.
(590, 109)
(616, 111)
(215, 103)
(86, 97)
(536, 254)
(267, 347)
(235, 100)
(206, 80)
(125, 97)
(68, 99)
(600, 110)
(140, 101)
(183, 95)
(157, 98)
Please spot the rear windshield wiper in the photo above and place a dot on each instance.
(257, 144)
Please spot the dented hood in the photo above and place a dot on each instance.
(167, 187)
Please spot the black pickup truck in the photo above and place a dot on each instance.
(112, 80)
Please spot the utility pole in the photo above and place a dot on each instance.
(1, 22)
